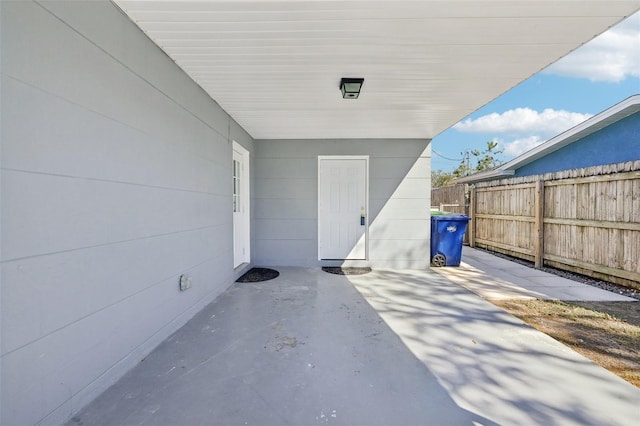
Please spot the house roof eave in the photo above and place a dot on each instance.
(488, 175)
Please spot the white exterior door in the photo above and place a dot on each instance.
(241, 234)
(342, 205)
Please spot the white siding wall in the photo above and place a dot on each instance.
(286, 200)
(116, 179)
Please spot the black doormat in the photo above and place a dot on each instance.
(255, 275)
(346, 271)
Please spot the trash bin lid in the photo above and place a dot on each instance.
(451, 216)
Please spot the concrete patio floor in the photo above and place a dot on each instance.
(386, 348)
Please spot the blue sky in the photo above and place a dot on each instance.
(591, 79)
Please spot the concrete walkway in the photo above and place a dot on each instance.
(492, 277)
(386, 348)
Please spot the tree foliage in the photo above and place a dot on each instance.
(473, 161)
(440, 179)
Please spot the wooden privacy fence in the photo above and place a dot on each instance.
(451, 199)
(586, 220)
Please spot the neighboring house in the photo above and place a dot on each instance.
(122, 171)
(610, 137)
(572, 202)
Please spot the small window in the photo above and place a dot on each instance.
(236, 186)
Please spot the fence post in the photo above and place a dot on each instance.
(538, 245)
(472, 214)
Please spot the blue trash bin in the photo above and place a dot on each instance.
(447, 233)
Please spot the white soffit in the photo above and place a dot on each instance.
(275, 66)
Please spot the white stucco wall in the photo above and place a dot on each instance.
(286, 200)
(116, 179)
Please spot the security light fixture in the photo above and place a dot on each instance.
(350, 87)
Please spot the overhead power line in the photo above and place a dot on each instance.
(446, 158)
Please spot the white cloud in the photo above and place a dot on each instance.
(523, 120)
(612, 56)
(520, 146)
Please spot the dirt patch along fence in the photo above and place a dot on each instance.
(585, 220)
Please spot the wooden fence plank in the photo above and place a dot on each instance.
(506, 217)
(595, 223)
(584, 219)
(591, 179)
(504, 246)
(632, 276)
(472, 214)
(538, 245)
(506, 187)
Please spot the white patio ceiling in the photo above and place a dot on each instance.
(275, 65)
